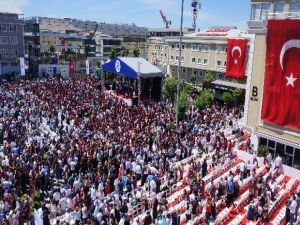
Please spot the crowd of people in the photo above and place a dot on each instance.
(71, 154)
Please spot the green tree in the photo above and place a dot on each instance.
(237, 94)
(204, 99)
(262, 151)
(51, 49)
(112, 54)
(209, 76)
(183, 103)
(136, 52)
(227, 97)
(170, 87)
(125, 53)
(193, 79)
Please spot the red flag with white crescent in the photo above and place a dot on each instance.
(236, 58)
(281, 98)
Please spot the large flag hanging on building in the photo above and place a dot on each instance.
(281, 100)
(236, 58)
(72, 67)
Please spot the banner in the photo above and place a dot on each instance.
(236, 58)
(22, 66)
(87, 66)
(72, 67)
(281, 97)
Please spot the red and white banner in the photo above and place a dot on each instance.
(281, 100)
(236, 58)
(72, 67)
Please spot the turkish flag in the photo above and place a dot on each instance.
(281, 98)
(72, 67)
(236, 58)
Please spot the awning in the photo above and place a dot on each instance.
(229, 84)
(132, 67)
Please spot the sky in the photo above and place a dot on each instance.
(141, 12)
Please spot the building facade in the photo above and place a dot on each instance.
(206, 51)
(278, 139)
(11, 43)
(158, 48)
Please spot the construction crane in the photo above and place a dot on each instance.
(196, 5)
(94, 32)
(167, 22)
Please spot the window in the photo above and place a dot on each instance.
(6, 53)
(13, 40)
(12, 28)
(3, 28)
(278, 9)
(205, 61)
(295, 6)
(184, 70)
(194, 47)
(206, 48)
(193, 60)
(259, 11)
(14, 64)
(3, 40)
(177, 46)
(182, 59)
(172, 58)
(177, 58)
(200, 73)
(219, 63)
(220, 48)
(289, 150)
(195, 72)
(199, 61)
(182, 46)
(14, 53)
(172, 46)
(201, 48)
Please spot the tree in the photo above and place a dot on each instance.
(227, 97)
(170, 87)
(193, 79)
(237, 94)
(125, 52)
(112, 54)
(262, 151)
(209, 76)
(136, 52)
(204, 99)
(183, 103)
(51, 49)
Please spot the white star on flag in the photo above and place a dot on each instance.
(291, 80)
(235, 61)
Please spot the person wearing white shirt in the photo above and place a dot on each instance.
(63, 203)
(153, 185)
(56, 196)
(278, 162)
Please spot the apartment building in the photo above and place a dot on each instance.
(279, 140)
(11, 43)
(207, 51)
(158, 48)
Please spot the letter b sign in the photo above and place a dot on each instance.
(254, 91)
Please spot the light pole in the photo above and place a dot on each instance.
(179, 66)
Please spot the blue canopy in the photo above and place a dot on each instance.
(132, 67)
